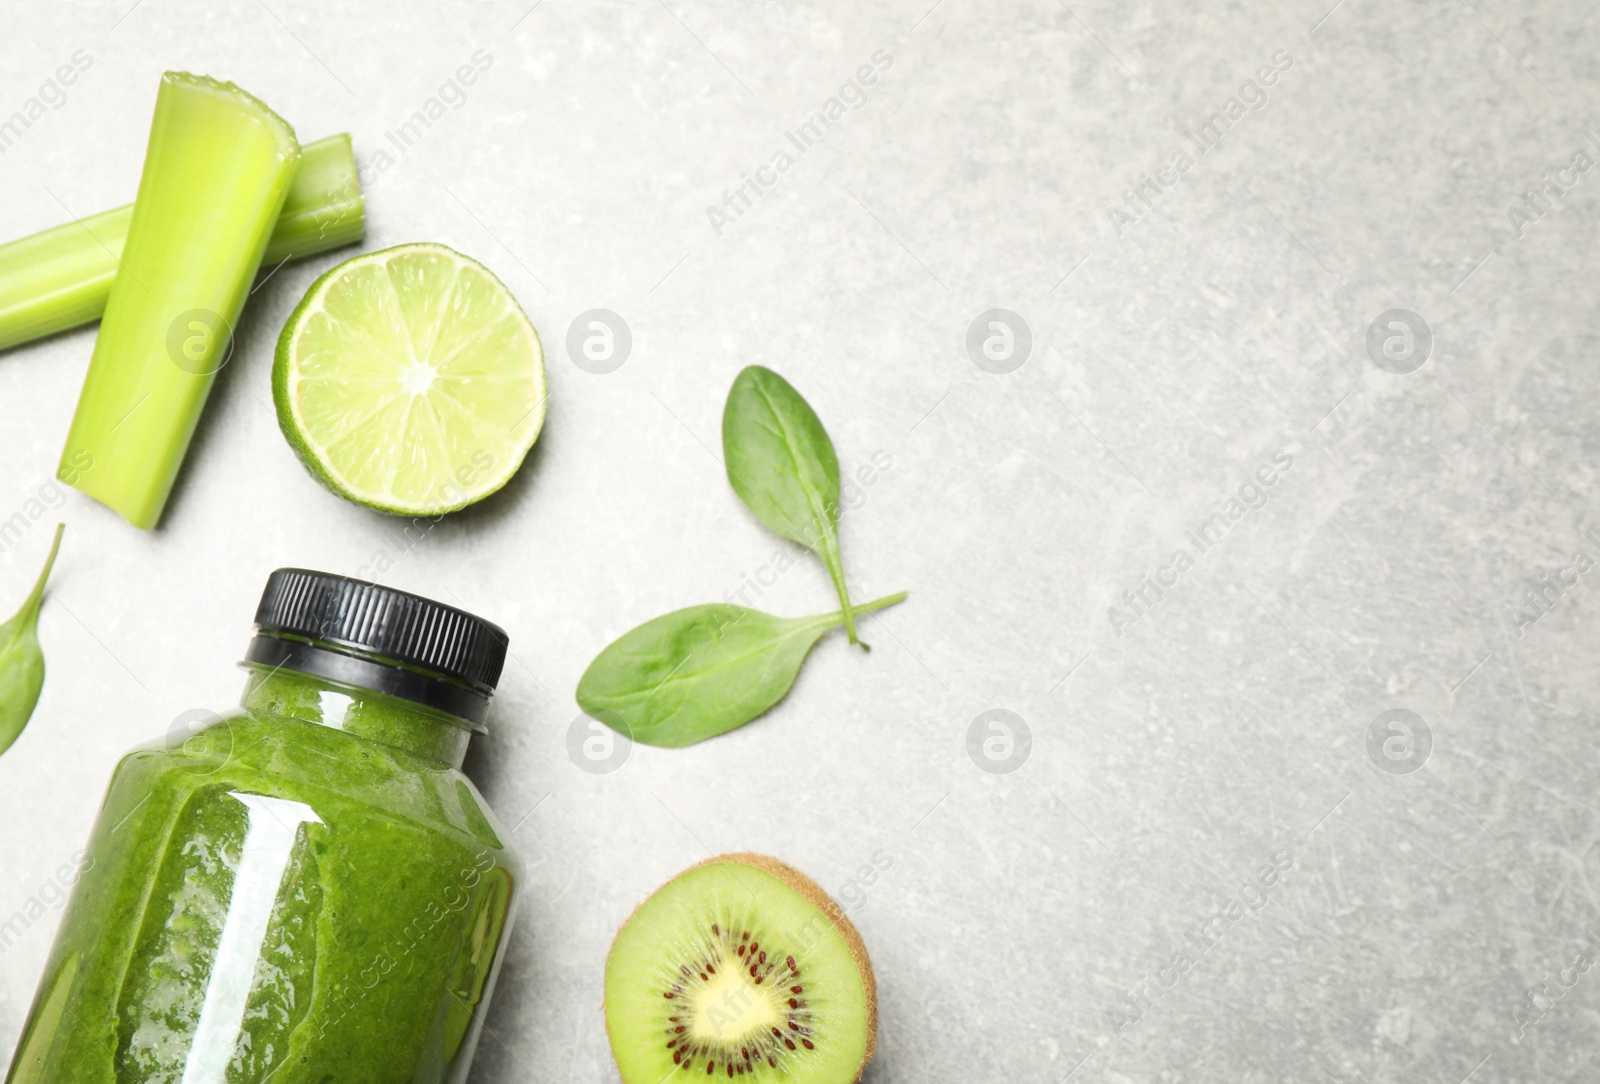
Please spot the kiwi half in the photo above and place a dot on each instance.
(740, 967)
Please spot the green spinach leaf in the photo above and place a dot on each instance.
(21, 660)
(695, 673)
(782, 464)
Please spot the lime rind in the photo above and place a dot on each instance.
(346, 388)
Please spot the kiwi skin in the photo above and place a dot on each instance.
(823, 902)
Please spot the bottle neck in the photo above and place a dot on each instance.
(412, 728)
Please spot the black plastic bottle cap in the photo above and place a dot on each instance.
(374, 637)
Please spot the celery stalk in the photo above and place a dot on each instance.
(216, 173)
(323, 209)
(60, 278)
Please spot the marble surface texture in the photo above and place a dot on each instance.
(1328, 738)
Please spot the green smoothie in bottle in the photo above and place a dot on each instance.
(307, 890)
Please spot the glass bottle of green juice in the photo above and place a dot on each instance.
(308, 890)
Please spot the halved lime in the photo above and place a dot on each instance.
(410, 381)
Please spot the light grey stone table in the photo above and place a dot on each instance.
(1221, 738)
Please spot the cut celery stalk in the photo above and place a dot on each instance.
(60, 278)
(323, 209)
(215, 177)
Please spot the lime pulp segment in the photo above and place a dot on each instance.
(409, 380)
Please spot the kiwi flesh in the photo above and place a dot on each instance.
(740, 968)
